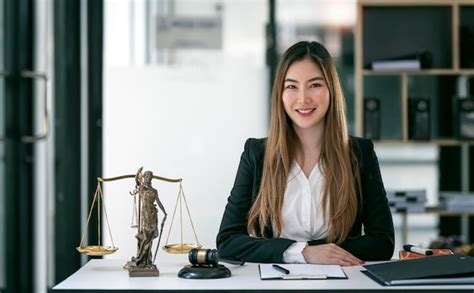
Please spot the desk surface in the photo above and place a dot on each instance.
(106, 274)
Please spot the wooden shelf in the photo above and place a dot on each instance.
(439, 211)
(431, 141)
(368, 72)
(413, 3)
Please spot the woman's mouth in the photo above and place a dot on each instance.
(305, 112)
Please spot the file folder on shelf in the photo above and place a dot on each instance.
(437, 270)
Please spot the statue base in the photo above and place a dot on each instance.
(130, 263)
(145, 271)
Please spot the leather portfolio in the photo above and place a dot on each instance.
(436, 270)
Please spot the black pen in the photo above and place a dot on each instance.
(281, 269)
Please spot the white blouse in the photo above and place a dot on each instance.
(302, 217)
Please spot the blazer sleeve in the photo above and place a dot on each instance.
(233, 241)
(377, 243)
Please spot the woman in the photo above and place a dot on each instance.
(303, 194)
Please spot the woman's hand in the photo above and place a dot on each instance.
(329, 254)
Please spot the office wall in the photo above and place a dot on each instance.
(188, 118)
(179, 123)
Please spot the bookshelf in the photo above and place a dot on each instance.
(386, 29)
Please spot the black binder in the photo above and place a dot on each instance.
(435, 270)
(419, 118)
(372, 118)
(464, 117)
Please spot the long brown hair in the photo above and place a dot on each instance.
(338, 161)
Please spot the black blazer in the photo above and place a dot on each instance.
(376, 243)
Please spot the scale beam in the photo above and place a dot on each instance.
(100, 179)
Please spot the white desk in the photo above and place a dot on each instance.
(99, 274)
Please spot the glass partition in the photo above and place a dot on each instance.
(185, 84)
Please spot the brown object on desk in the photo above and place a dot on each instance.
(404, 255)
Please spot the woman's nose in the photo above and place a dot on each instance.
(304, 96)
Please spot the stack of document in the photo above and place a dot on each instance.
(388, 65)
(407, 200)
(414, 61)
(457, 202)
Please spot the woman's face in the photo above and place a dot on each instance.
(305, 95)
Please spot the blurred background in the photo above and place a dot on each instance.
(99, 88)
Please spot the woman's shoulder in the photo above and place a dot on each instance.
(361, 143)
(256, 142)
(362, 147)
(255, 147)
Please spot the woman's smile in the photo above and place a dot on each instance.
(305, 112)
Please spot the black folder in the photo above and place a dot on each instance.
(434, 270)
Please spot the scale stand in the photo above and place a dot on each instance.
(134, 269)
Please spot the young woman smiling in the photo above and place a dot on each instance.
(309, 193)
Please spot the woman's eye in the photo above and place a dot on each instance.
(290, 86)
(315, 85)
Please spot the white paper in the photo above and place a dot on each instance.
(301, 271)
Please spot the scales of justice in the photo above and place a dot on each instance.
(146, 207)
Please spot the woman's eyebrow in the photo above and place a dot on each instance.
(316, 78)
(311, 79)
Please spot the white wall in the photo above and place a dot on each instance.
(189, 119)
(179, 124)
(316, 12)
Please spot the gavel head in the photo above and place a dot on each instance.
(203, 257)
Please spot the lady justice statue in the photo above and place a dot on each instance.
(143, 263)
